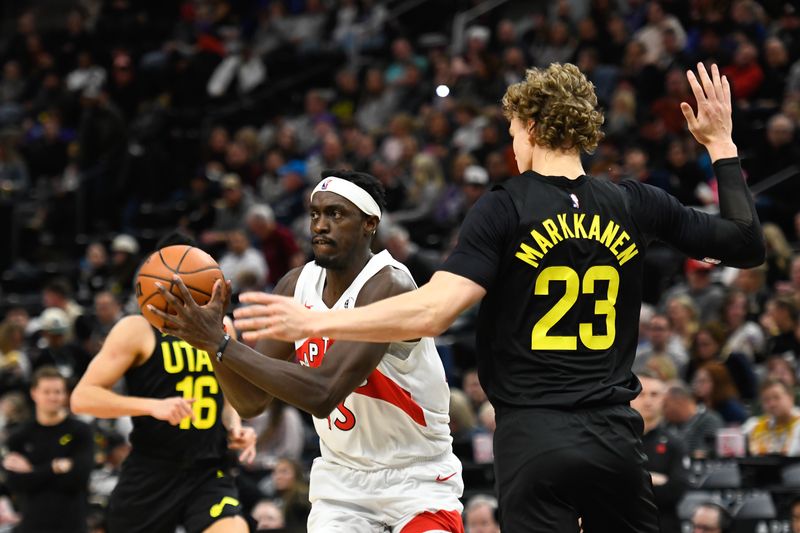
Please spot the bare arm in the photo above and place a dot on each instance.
(129, 340)
(424, 312)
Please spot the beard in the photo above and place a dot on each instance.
(329, 263)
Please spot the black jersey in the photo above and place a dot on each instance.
(571, 342)
(176, 368)
(561, 261)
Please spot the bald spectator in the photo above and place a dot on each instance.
(276, 242)
(692, 423)
(242, 264)
(230, 213)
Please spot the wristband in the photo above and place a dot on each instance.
(222, 346)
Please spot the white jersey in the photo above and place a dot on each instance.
(399, 415)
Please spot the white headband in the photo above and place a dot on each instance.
(351, 191)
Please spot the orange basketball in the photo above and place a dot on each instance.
(197, 269)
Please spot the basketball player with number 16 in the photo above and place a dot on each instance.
(556, 258)
(380, 409)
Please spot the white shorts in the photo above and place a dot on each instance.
(357, 501)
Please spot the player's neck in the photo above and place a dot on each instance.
(337, 281)
(557, 162)
(45, 418)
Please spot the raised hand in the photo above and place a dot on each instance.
(172, 410)
(272, 316)
(712, 126)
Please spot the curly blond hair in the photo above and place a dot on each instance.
(562, 105)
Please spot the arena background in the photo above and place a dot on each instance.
(122, 121)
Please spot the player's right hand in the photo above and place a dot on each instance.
(173, 410)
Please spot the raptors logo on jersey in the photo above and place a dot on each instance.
(400, 413)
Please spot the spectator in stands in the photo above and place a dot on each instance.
(268, 516)
(107, 311)
(49, 461)
(780, 322)
(707, 347)
(14, 180)
(665, 452)
(94, 271)
(291, 491)
(58, 351)
(743, 336)
(14, 363)
(480, 514)
(276, 242)
(281, 433)
(663, 349)
(230, 213)
(694, 424)
(777, 431)
(795, 515)
(651, 34)
(745, 73)
(706, 295)
(58, 293)
(463, 418)
(682, 314)
(712, 385)
(752, 282)
(782, 369)
(420, 262)
(124, 263)
(710, 517)
(241, 262)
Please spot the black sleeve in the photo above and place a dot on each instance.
(734, 237)
(484, 234)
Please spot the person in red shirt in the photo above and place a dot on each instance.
(277, 242)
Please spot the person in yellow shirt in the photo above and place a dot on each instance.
(777, 431)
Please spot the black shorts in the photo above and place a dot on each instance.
(553, 466)
(152, 498)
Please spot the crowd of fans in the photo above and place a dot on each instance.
(121, 121)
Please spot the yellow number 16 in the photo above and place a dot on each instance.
(540, 340)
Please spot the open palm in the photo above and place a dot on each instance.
(712, 124)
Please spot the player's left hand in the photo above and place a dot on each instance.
(200, 326)
(243, 438)
(273, 317)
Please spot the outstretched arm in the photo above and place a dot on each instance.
(129, 340)
(424, 312)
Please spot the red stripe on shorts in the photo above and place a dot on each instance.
(438, 521)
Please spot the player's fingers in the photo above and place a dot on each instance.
(261, 298)
(161, 314)
(250, 324)
(254, 310)
(688, 114)
(717, 82)
(708, 85)
(726, 91)
(168, 296)
(188, 299)
(248, 455)
(696, 89)
(263, 333)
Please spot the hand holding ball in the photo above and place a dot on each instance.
(196, 268)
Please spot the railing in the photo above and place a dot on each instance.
(461, 20)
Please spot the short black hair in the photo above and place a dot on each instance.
(368, 182)
(175, 237)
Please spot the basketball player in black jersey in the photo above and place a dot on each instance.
(176, 472)
(556, 258)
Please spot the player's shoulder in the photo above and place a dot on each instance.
(132, 324)
(387, 282)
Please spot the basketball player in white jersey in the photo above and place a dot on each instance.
(380, 409)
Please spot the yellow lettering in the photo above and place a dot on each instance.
(619, 242)
(542, 241)
(203, 361)
(580, 231)
(552, 230)
(609, 233)
(594, 229)
(626, 254)
(562, 221)
(528, 254)
(173, 363)
(188, 349)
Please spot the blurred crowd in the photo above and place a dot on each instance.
(121, 121)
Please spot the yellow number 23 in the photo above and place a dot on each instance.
(540, 340)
